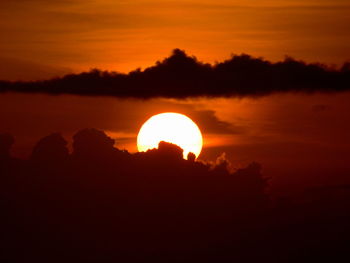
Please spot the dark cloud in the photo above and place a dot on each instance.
(180, 76)
(210, 123)
(207, 120)
(101, 204)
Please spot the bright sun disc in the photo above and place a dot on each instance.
(170, 127)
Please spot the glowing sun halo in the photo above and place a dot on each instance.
(170, 127)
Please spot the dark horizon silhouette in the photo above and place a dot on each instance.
(181, 76)
(102, 204)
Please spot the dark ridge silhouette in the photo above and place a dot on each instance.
(180, 76)
(100, 204)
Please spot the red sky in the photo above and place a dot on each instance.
(304, 135)
(299, 139)
(47, 38)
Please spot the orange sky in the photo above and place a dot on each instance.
(45, 38)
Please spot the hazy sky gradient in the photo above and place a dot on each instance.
(46, 38)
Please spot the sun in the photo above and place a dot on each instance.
(170, 127)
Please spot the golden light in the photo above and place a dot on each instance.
(170, 127)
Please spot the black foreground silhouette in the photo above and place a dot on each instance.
(102, 204)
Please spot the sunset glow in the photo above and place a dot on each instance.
(170, 127)
(174, 131)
